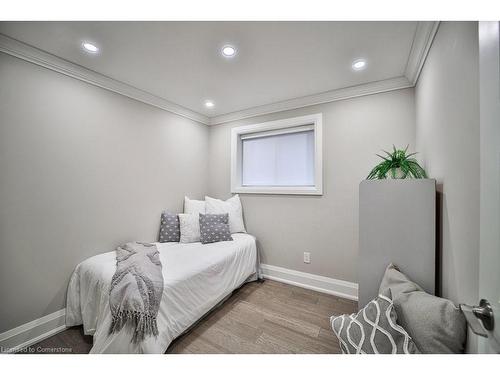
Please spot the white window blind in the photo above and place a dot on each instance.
(278, 158)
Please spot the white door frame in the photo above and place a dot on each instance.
(489, 103)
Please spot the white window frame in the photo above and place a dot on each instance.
(278, 127)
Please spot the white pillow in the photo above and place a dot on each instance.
(192, 206)
(189, 225)
(233, 207)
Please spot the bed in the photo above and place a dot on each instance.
(196, 278)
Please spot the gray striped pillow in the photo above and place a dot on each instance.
(373, 330)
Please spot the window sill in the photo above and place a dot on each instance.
(295, 190)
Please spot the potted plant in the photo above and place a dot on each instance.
(397, 165)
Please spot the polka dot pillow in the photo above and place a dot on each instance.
(214, 228)
(169, 228)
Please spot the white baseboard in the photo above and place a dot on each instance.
(32, 332)
(339, 288)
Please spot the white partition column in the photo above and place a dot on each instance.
(397, 223)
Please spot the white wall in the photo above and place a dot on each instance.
(81, 170)
(447, 130)
(447, 109)
(327, 226)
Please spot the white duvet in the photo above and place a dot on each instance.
(196, 277)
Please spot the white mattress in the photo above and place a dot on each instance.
(196, 277)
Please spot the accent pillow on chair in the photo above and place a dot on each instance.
(190, 228)
(214, 228)
(436, 324)
(169, 228)
(373, 330)
(233, 207)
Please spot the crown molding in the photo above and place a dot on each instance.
(422, 41)
(325, 97)
(36, 56)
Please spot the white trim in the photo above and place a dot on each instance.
(261, 134)
(281, 190)
(315, 120)
(424, 36)
(36, 56)
(32, 332)
(339, 288)
(325, 97)
(422, 41)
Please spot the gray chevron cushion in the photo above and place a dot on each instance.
(373, 330)
(214, 228)
(169, 228)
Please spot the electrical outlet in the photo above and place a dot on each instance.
(307, 257)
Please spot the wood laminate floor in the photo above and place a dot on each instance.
(260, 317)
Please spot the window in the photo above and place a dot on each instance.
(278, 157)
(283, 159)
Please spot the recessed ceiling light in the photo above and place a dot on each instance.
(228, 51)
(359, 64)
(209, 104)
(89, 47)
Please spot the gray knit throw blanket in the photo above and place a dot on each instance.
(136, 289)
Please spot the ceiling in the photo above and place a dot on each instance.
(181, 62)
